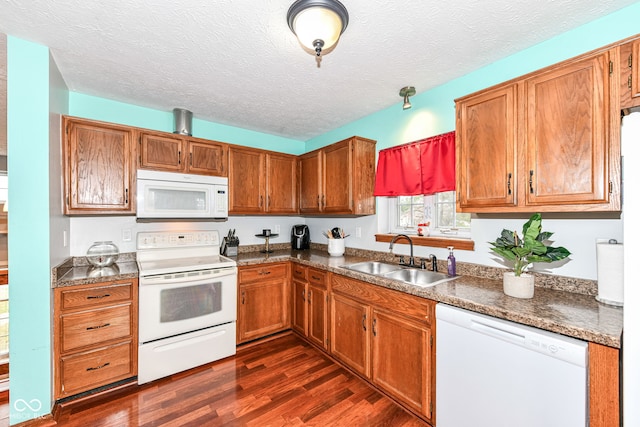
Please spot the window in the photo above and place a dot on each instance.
(439, 210)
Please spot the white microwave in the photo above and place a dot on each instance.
(170, 195)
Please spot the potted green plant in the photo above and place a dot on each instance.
(523, 252)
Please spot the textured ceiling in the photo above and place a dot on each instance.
(236, 62)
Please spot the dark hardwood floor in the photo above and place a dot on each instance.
(283, 382)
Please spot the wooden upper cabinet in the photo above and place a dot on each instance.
(548, 141)
(246, 180)
(567, 134)
(207, 157)
(262, 182)
(311, 188)
(282, 184)
(486, 149)
(161, 152)
(99, 170)
(630, 74)
(174, 153)
(339, 179)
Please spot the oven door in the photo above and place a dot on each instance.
(173, 304)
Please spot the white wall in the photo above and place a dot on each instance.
(86, 230)
(58, 223)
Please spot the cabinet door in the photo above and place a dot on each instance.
(300, 309)
(161, 152)
(262, 309)
(282, 188)
(338, 179)
(246, 181)
(207, 158)
(402, 360)
(98, 168)
(486, 133)
(567, 134)
(630, 74)
(350, 338)
(317, 316)
(311, 191)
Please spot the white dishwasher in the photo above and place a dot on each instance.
(496, 373)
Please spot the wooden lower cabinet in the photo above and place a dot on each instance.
(385, 336)
(310, 304)
(401, 359)
(604, 386)
(263, 301)
(95, 336)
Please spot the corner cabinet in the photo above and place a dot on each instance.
(386, 336)
(263, 301)
(339, 179)
(548, 141)
(262, 182)
(95, 336)
(98, 167)
(173, 153)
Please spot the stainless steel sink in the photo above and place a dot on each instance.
(418, 277)
(412, 276)
(373, 267)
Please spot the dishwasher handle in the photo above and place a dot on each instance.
(498, 332)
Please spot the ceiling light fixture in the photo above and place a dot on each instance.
(318, 24)
(406, 92)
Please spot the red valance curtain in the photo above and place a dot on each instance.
(424, 167)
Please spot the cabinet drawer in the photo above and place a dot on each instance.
(299, 272)
(96, 326)
(317, 277)
(96, 368)
(95, 296)
(262, 273)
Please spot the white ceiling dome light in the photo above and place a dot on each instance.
(318, 24)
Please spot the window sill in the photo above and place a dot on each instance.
(434, 242)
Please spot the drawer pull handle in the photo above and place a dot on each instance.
(315, 277)
(303, 296)
(265, 272)
(104, 365)
(375, 333)
(90, 328)
(98, 296)
(364, 319)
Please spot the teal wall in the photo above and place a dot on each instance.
(29, 288)
(92, 107)
(433, 111)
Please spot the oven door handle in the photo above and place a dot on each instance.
(162, 279)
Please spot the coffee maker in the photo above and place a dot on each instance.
(300, 238)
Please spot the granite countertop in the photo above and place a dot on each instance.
(76, 271)
(568, 313)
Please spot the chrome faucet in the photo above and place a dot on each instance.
(412, 262)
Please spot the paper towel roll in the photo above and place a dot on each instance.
(610, 272)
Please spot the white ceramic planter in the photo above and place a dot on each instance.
(518, 286)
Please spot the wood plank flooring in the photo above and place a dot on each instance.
(283, 382)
